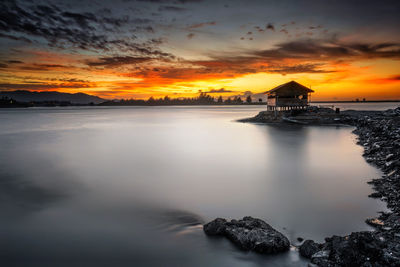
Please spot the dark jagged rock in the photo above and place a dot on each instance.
(249, 234)
(216, 227)
(357, 249)
(308, 248)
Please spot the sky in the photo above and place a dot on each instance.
(117, 49)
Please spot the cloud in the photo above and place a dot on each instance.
(14, 61)
(117, 61)
(170, 1)
(41, 67)
(16, 38)
(171, 8)
(200, 25)
(76, 30)
(313, 49)
(270, 26)
(190, 35)
(315, 27)
(259, 29)
(384, 80)
(41, 86)
(299, 68)
(222, 90)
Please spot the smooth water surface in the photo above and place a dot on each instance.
(132, 186)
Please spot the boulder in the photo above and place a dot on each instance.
(249, 234)
(308, 248)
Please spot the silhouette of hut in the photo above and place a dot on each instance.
(288, 96)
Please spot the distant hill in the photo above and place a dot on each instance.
(31, 96)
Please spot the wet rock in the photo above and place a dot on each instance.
(300, 239)
(375, 195)
(249, 234)
(357, 249)
(374, 222)
(216, 227)
(321, 258)
(308, 248)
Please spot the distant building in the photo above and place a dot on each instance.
(287, 96)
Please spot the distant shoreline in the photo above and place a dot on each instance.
(10, 103)
(353, 101)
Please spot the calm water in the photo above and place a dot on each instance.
(131, 186)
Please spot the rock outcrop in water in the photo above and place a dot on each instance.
(249, 234)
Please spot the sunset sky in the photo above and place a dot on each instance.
(141, 48)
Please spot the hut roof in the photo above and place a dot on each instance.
(290, 88)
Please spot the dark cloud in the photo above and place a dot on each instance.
(171, 8)
(259, 29)
(270, 26)
(329, 50)
(222, 90)
(14, 61)
(200, 25)
(284, 31)
(299, 68)
(78, 30)
(41, 86)
(317, 56)
(3, 66)
(170, 1)
(117, 61)
(16, 38)
(69, 80)
(315, 27)
(41, 67)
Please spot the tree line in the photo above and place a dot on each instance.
(202, 99)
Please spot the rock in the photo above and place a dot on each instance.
(216, 227)
(249, 234)
(300, 239)
(375, 195)
(357, 249)
(321, 258)
(389, 157)
(308, 248)
(374, 222)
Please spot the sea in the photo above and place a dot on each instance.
(132, 186)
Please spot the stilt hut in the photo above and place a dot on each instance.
(288, 96)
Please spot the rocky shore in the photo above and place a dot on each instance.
(379, 133)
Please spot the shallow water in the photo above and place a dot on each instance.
(131, 186)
